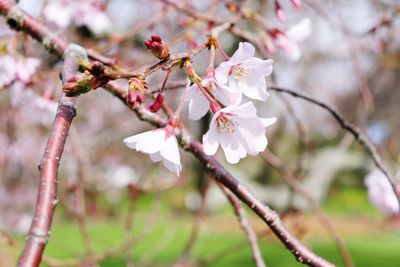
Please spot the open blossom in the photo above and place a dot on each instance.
(13, 69)
(8, 70)
(238, 130)
(26, 67)
(160, 144)
(245, 73)
(380, 193)
(289, 39)
(81, 13)
(198, 103)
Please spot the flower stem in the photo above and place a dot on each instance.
(183, 98)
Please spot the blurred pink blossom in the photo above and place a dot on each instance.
(380, 193)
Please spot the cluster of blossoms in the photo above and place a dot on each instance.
(235, 126)
(90, 14)
(17, 69)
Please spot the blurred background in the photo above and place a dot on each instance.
(116, 204)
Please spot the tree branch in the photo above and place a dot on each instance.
(356, 132)
(36, 243)
(39, 231)
(245, 225)
(221, 175)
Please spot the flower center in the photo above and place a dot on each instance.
(239, 72)
(226, 124)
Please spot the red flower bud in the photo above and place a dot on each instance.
(136, 91)
(157, 103)
(279, 11)
(157, 47)
(296, 3)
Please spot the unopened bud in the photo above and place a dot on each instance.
(136, 91)
(157, 103)
(138, 85)
(279, 11)
(297, 3)
(157, 47)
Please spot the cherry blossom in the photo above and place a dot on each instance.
(26, 67)
(289, 39)
(238, 130)
(59, 13)
(245, 73)
(8, 70)
(198, 103)
(85, 13)
(17, 69)
(160, 144)
(380, 193)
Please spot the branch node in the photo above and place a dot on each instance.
(15, 19)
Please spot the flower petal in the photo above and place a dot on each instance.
(222, 72)
(210, 141)
(268, 121)
(245, 51)
(171, 151)
(198, 105)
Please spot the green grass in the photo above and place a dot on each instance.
(378, 250)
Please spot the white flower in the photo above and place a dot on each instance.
(26, 67)
(238, 130)
(94, 18)
(380, 193)
(83, 13)
(12, 69)
(8, 70)
(161, 144)
(198, 103)
(245, 73)
(59, 13)
(289, 39)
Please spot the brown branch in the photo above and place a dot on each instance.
(245, 225)
(294, 184)
(356, 132)
(269, 216)
(19, 20)
(47, 197)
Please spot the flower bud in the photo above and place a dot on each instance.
(157, 103)
(279, 11)
(157, 47)
(136, 91)
(296, 3)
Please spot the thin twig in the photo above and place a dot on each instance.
(245, 225)
(358, 135)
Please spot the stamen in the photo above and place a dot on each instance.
(226, 123)
(239, 72)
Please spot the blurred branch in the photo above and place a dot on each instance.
(358, 135)
(195, 228)
(78, 208)
(47, 197)
(245, 225)
(19, 20)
